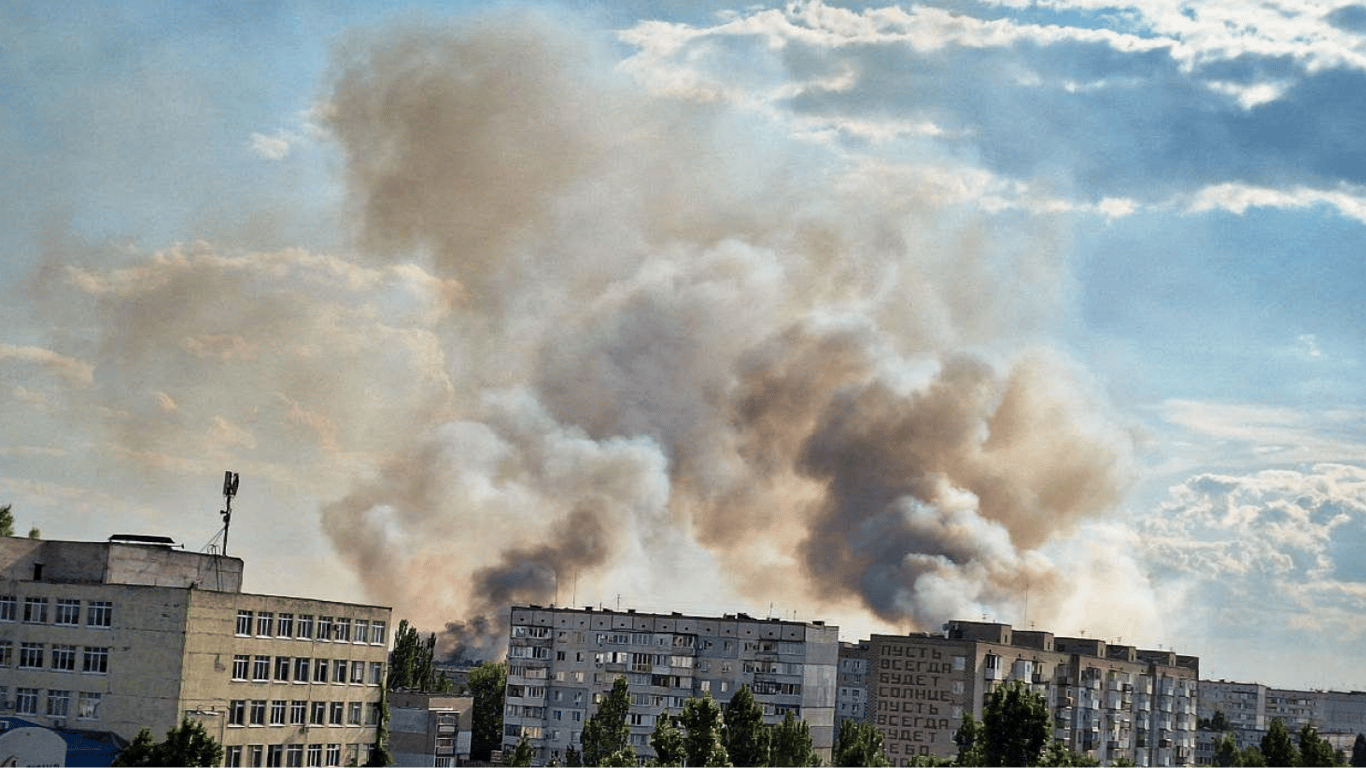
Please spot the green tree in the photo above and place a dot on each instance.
(522, 755)
(1359, 750)
(859, 743)
(412, 662)
(572, 757)
(1252, 757)
(606, 738)
(34, 533)
(703, 722)
(790, 744)
(1315, 751)
(1226, 750)
(744, 733)
(667, 741)
(488, 685)
(968, 738)
(6, 521)
(1016, 725)
(1219, 721)
(379, 751)
(187, 744)
(1277, 748)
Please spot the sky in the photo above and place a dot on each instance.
(876, 314)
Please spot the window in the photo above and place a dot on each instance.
(240, 663)
(265, 624)
(35, 610)
(26, 701)
(334, 754)
(324, 628)
(237, 712)
(301, 667)
(244, 623)
(8, 607)
(260, 668)
(315, 755)
(99, 613)
(341, 630)
(282, 668)
(339, 671)
(376, 673)
(285, 627)
(275, 755)
(58, 703)
(358, 673)
(68, 612)
(305, 628)
(337, 712)
(353, 713)
(258, 712)
(371, 713)
(95, 661)
(6, 653)
(255, 752)
(277, 712)
(298, 712)
(232, 757)
(320, 670)
(294, 755)
(64, 658)
(377, 629)
(30, 655)
(362, 634)
(318, 715)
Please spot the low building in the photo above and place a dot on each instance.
(430, 728)
(562, 660)
(133, 633)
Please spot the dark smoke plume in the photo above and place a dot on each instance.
(670, 343)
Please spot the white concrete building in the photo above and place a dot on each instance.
(560, 660)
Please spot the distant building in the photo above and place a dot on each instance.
(132, 633)
(1108, 701)
(430, 729)
(1249, 708)
(851, 697)
(562, 660)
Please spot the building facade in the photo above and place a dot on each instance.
(851, 697)
(1107, 701)
(1249, 708)
(430, 728)
(561, 661)
(131, 634)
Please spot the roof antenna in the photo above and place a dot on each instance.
(229, 490)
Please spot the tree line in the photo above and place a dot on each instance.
(1278, 748)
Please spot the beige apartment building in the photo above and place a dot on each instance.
(133, 633)
(430, 728)
(1249, 708)
(1109, 701)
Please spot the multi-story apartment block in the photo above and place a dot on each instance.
(1108, 701)
(132, 633)
(1249, 708)
(561, 661)
(851, 698)
(430, 728)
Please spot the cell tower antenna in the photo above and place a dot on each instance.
(229, 490)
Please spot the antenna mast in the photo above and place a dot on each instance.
(229, 490)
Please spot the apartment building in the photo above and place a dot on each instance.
(430, 728)
(133, 633)
(851, 696)
(1109, 701)
(1249, 708)
(561, 661)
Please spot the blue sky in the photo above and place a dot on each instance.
(879, 314)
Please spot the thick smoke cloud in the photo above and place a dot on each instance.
(676, 327)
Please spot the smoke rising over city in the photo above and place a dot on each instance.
(672, 329)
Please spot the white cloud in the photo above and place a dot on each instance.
(270, 147)
(72, 369)
(1347, 201)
